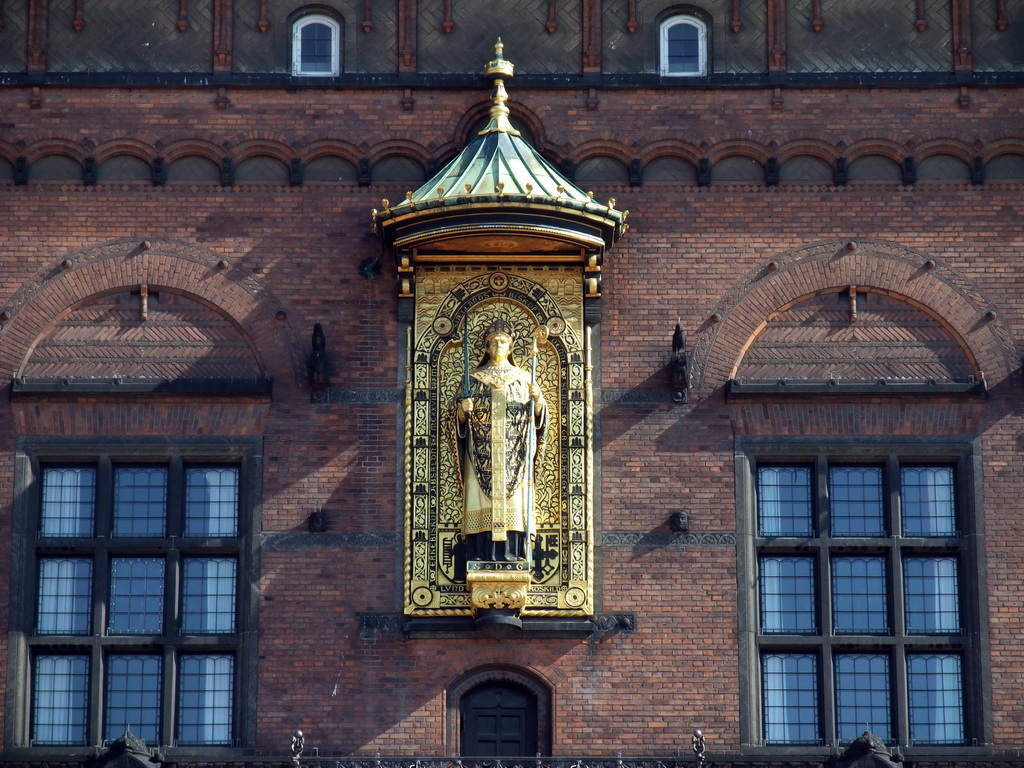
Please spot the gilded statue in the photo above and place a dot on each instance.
(501, 420)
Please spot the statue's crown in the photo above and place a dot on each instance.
(498, 326)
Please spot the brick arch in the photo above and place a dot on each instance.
(399, 148)
(328, 147)
(603, 148)
(528, 678)
(684, 150)
(8, 151)
(53, 146)
(1006, 146)
(185, 147)
(884, 147)
(262, 147)
(874, 265)
(822, 150)
(957, 148)
(124, 146)
(739, 147)
(168, 266)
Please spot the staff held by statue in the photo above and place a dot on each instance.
(540, 335)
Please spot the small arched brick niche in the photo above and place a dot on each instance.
(851, 334)
(143, 333)
(468, 685)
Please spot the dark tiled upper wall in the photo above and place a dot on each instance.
(868, 36)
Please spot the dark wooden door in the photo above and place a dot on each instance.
(499, 719)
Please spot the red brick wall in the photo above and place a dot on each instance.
(689, 253)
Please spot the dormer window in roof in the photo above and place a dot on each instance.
(684, 46)
(316, 46)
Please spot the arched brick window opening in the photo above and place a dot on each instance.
(499, 711)
(875, 168)
(316, 46)
(670, 170)
(943, 168)
(1009, 167)
(193, 168)
(601, 169)
(262, 168)
(124, 168)
(397, 168)
(806, 169)
(330, 168)
(683, 46)
(738, 168)
(55, 168)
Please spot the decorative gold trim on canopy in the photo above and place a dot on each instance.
(500, 182)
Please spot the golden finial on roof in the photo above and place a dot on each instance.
(499, 70)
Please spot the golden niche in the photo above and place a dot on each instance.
(499, 413)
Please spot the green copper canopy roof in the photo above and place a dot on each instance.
(500, 184)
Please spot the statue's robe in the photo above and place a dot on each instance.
(499, 443)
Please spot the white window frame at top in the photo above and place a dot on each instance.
(702, 45)
(297, 28)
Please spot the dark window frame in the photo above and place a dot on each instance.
(968, 544)
(177, 454)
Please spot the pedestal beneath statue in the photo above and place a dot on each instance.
(498, 590)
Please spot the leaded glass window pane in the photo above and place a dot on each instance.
(790, 688)
(136, 596)
(931, 595)
(60, 700)
(205, 688)
(209, 595)
(788, 595)
(863, 696)
(211, 502)
(65, 596)
(683, 48)
(784, 501)
(69, 501)
(934, 685)
(315, 45)
(855, 501)
(927, 501)
(133, 697)
(140, 501)
(859, 596)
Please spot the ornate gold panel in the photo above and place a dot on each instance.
(447, 298)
